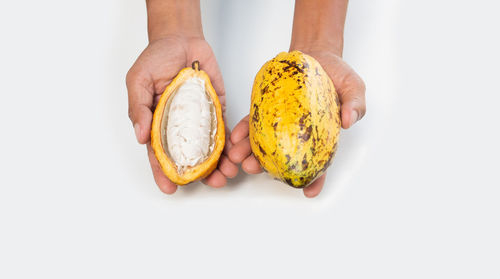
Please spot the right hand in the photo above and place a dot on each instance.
(155, 68)
(351, 90)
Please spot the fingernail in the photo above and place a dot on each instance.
(137, 131)
(354, 117)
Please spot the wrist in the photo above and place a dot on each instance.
(312, 46)
(318, 25)
(180, 18)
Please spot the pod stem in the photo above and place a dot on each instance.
(196, 65)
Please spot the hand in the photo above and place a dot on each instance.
(351, 90)
(155, 68)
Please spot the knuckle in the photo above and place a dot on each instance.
(131, 77)
(135, 76)
(359, 84)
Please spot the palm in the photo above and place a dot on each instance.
(163, 59)
(155, 68)
(348, 84)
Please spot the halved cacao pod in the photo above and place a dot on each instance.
(294, 118)
(187, 134)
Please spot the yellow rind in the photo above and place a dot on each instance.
(169, 167)
(294, 120)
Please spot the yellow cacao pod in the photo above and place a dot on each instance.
(294, 118)
(187, 133)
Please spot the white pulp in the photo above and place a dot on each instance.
(189, 126)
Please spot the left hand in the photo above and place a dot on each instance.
(155, 68)
(351, 90)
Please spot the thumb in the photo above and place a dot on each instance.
(350, 88)
(352, 99)
(141, 117)
(140, 101)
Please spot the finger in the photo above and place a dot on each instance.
(141, 117)
(228, 144)
(216, 179)
(240, 131)
(165, 185)
(313, 190)
(352, 98)
(227, 168)
(217, 82)
(240, 151)
(250, 165)
(140, 101)
(222, 101)
(350, 88)
(212, 69)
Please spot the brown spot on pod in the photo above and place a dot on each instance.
(305, 164)
(300, 99)
(255, 116)
(289, 181)
(303, 118)
(262, 150)
(291, 64)
(307, 134)
(265, 90)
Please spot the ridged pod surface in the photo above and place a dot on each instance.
(294, 118)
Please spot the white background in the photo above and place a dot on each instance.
(413, 191)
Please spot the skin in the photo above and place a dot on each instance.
(318, 31)
(176, 39)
